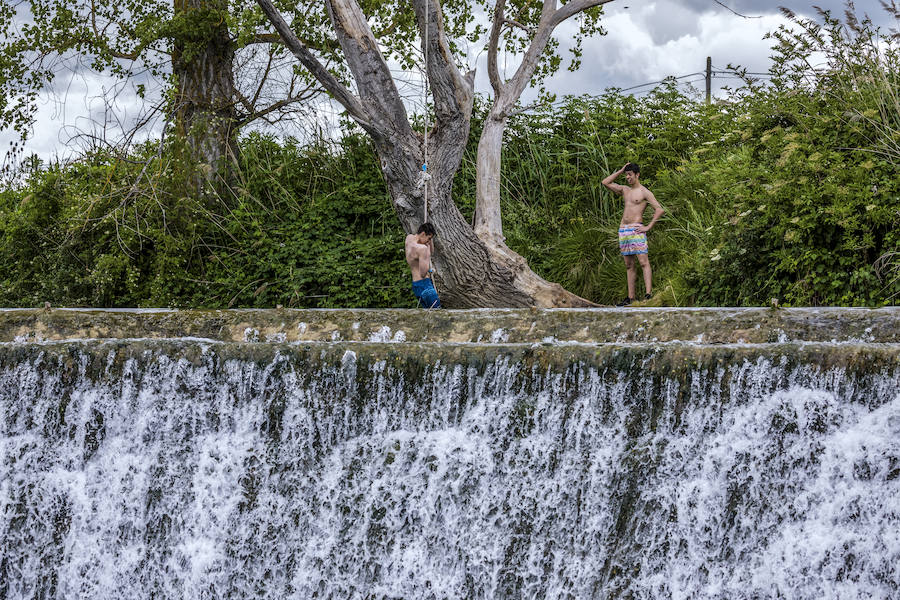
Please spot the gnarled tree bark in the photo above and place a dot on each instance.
(204, 108)
(474, 267)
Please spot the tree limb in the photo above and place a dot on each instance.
(488, 223)
(374, 82)
(265, 76)
(70, 43)
(269, 38)
(261, 114)
(494, 45)
(274, 38)
(245, 102)
(514, 23)
(453, 92)
(573, 8)
(330, 45)
(550, 18)
(524, 109)
(331, 84)
(516, 85)
(100, 34)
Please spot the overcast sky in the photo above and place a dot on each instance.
(646, 41)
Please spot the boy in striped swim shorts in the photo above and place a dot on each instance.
(632, 233)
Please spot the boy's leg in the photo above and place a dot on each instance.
(630, 274)
(647, 271)
(428, 297)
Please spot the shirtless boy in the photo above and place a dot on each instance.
(419, 249)
(632, 234)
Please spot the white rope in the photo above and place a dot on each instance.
(425, 174)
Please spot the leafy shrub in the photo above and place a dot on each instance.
(301, 226)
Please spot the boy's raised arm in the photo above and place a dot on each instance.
(608, 182)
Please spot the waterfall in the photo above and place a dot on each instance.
(394, 467)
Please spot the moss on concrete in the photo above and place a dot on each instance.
(413, 362)
(707, 326)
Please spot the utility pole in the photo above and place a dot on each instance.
(708, 79)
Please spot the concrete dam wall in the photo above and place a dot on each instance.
(638, 453)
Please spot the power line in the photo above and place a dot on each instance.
(718, 72)
(634, 87)
(729, 77)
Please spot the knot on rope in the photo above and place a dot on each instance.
(423, 178)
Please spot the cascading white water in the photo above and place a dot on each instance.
(183, 469)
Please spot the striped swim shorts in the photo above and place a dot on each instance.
(632, 242)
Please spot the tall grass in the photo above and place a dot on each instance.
(557, 212)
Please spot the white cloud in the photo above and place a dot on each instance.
(628, 55)
(665, 20)
(82, 108)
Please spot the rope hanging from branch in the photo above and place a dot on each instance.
(425, 175)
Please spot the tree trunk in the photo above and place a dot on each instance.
(471, 272)
(488, 221)
(513, 268)
(204, 110)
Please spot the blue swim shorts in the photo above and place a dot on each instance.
(426, 294)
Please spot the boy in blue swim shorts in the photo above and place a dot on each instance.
(419, 248)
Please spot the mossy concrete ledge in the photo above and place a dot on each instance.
(500, 326)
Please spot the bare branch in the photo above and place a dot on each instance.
(494, 45)
(573, 8)
(550, 18)
(452, 91)
(516, 85)
(514, 23)
(488, 223)
(524, 109)
(244, 101)
(323, 75)
(265, 76)
(262, 114)
(374, 82)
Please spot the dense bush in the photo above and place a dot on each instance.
(299, 226)
(810, 177)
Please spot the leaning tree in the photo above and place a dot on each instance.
(474, 266)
